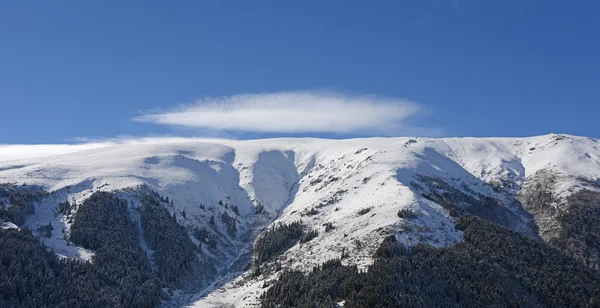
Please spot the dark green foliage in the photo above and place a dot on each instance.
(449, 196)
(205, 237)
(442, 199)
(407, 214)
(120, 275)
(538, 197)
(259, 208)
(429, 277)
(20, 202)
(236, 210)
(363, 211)
(310, 212)
(328, 226)
(318, 289)
(465, 200)
(558, 278)
(65, 208)
(201, 234)
(494, 266)
(174, 252)
(580, 228)
(102, 223)
(309, 236)
(229, 223)
(571, 224)
(30, 276)
(28, 273)
(102, 220)
(390, 248)
(276, 240)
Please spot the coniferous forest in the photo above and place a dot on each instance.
(120, 274)
(493, 266)
(276, 240)
(174, 252)
(21, 199)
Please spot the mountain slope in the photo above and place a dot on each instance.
(349, 191)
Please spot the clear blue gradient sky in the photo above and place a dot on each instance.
(72, 69)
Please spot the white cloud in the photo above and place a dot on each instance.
(294, 112)
(17, 152)
(11, 152)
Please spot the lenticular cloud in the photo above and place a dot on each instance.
(291, 112)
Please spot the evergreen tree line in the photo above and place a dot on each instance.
(28, 273)
(276, 240)
(571, 224)
(577, 218)
(493, 266)
(20, 202)
(65, 208)
(174, 251)
(465, 201)
(311, 234)
(102, 223)
(204, 236)
(230, 223)
(580, 227)
(119, 275)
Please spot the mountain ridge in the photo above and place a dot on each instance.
(356, 188)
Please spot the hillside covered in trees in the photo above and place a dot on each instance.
(16, 202)
(493, 266)
(174, 252)
(120, 274)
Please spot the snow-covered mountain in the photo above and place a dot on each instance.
(352, 192)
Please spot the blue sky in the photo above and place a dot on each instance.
(103, 69)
